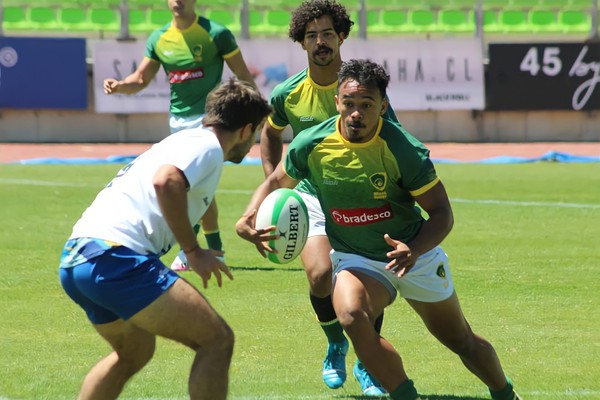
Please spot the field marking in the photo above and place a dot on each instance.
(29, 182)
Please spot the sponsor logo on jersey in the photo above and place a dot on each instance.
(361, 216)
(307, 119)
(186, 75)
(441, 272)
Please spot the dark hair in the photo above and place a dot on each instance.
(234, 104)
(310, 10)
(366, 73)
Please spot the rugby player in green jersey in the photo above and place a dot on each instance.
(192, 50)
(372, 179)
(304, 100)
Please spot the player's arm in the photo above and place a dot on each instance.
(238, 66)
(271, 147)
(435, 202)
(245, 225)
(135, 82)
(171, 188)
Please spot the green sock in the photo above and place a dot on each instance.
(213, 240)
(333, 330)
(504, 394)
(406, 391)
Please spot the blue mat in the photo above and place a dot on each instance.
(551, 156)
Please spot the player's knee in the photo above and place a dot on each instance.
(221, 341)
(353, 321)
(319, 279)
(134, 361)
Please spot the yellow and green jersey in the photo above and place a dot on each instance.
(193, 61)
(365, 189)
(302, 103)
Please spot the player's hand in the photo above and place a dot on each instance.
(402, 257)
(205, 263)
(110, 85)
(260, 237)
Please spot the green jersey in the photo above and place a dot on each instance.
(365, 189)
(302, 103)
(193, 60)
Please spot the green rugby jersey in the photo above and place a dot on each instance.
(193, 60)
(365, 189)
(302, 103)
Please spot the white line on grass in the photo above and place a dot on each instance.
(29, 182)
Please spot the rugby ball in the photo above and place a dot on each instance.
(285, 209)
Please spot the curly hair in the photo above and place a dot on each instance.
(366, 73)
(310, 10)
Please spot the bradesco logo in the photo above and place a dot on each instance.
(185, 75)
(361, 216)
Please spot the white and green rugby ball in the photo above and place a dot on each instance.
(285, 209)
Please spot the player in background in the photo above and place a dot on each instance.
(372, 198)
(192, 50)
(111, 264)
(304, 100)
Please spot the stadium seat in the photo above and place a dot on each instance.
(15, 18)
(44, 18)
(394, 21)
(277, 21)
(494, 4)
(513, 21)
(575, 21)
(256, 24)
(490, 22)
(554, 3)
(73, 19)
(543, 21)
(228, 17)
(524, 3)
(138, 21)
(584, 4)
(159, 17)
(105, 19)
(456, 20)
(435, 3)
(422, 20)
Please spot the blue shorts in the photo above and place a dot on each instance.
(116, 283)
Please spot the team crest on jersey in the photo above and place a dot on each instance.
(378, 180)
(197, 52)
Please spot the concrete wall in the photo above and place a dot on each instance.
(51, 126)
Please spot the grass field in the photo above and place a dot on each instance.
(525, 256)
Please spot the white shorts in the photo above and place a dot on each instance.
(316, 218)
(177, 123)
(428, 281)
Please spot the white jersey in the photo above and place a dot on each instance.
(126, 211)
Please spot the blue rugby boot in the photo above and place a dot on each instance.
(334, 365)
(368, 384)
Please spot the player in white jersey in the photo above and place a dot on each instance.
(111, 264)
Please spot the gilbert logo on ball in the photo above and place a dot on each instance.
(285, 209)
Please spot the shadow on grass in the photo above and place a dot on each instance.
(421, 396)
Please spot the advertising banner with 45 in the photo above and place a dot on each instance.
(543, 76)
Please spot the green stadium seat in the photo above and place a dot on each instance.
(73, 19)
(15, 18)
(470, 4)
(44, 18)
(456, 20)
(553, 3)
(513, 21)
(105, 19)
(395, 21)
(256, 24)
(277, 21)
(543, 21)
(575, 21)
(138, 21)
(374, 24)
(585, 4)
(524, 3)
(228, 17)
(490, 22)
(159, 17)
(435, 3)
(422, 20)
(494, 4)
